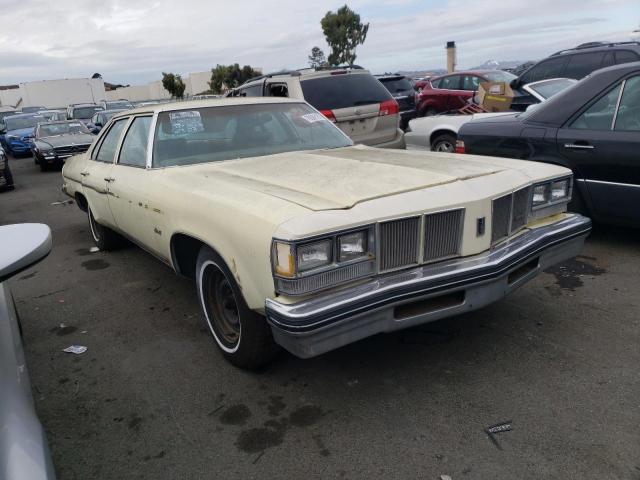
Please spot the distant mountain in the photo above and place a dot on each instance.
(498, 65)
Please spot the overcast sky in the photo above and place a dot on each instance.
(133, 41)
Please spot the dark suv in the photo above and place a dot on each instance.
(580, 61)
(402, 89)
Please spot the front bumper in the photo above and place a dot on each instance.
(424, 294)
(18, 146)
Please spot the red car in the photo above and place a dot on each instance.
(451, 92)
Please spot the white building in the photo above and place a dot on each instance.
(54, 93)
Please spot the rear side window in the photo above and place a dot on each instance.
(134, 146)
(626, 56)
(110, 143)
(582, 65)
(343, 91)
(397, 85)
(551, 68)
(252, 91)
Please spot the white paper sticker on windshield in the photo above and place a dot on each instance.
(183, 123)
(314, 117)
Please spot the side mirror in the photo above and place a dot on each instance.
(22, 245)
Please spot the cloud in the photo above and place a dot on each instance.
(133, 41)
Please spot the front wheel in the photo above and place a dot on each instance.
(444, 143)
(104, 238)
(243, 335)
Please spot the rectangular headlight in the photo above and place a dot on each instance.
(540, 194)
(352, 246)
(314, 255)
(559, 190)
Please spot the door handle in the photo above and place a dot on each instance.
(84, 174)
(579, 146)
(109, 179)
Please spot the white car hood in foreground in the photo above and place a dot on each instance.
(344, 177)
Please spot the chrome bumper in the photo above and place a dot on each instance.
(431, 292)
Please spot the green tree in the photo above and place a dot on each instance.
(173, 84)
(317, 58)
(344, 32)
(224, 77)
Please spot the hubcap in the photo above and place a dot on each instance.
(444, 147)
(221, 305)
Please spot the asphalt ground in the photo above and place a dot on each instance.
(152, 398)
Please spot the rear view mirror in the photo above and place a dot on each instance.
(21, 246)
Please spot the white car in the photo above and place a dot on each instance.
(439, 133)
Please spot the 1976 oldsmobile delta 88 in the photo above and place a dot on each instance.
(297, 238)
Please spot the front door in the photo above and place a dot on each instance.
(96, 177)
(602, 147)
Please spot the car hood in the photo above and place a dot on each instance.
(340, 178)
(502, 117)
(64, 140)
(21, 132)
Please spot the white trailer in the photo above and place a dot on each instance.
(60, 93)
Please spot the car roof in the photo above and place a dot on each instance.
(554, 111)
(390, 76)
(54, 122)
(212, 102)
(596, 47)
(24, 115)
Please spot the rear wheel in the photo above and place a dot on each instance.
(104, 238)
(429, 112)
(243, 336)
(444, 143)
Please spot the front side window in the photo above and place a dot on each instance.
(451, 82)
(213, 134)
(134, 146)
(600, 115)
(628, 116)
(110, 142)
(551, 68)
(583, 64)
(470, 82)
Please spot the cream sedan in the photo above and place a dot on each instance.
(298, 239)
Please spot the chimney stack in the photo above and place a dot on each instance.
(451, 57)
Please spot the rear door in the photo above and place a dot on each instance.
(456, 96)
(602, 143)
(357, 102)
(130, 183)
(96, 175)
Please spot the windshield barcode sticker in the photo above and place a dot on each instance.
(183, 123)
(314, 117)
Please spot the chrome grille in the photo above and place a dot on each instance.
(510, 213)
(399, 243)
(442, 234)
(500, 217)
(520, 208)
(71, 149)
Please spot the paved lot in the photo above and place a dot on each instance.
(152, 398)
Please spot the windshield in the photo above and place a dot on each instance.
(85, 112)
(214, 134)
(343, 91)
(66, 128)
(397, 84)
(22, 122)
(52, 116)
(499, 76)
(549, 88)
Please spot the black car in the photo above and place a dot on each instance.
(403, 91)
(593, 128)
(580, 61)
(54, 142)
(101, 118)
